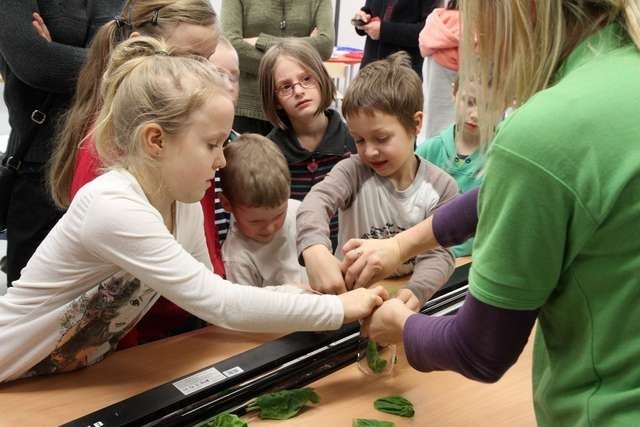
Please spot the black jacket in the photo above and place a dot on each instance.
(33, 67)
(398, 33)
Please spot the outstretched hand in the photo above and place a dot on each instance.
(360, 303)
(386, 324)
(367, 261)
(41, 28)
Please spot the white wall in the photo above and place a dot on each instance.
(346, 34)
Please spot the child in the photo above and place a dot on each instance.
(296, 94)
(383, 190)
(455, 150)
(261, 247)
(135, 232)
(190, 27)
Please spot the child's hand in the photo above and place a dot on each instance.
(360, 302)
(409, 299)
(386, 324)
(323, 270)
(315, 32)
(367, 261)
(41, 28)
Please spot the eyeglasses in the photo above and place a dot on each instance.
(286, 90)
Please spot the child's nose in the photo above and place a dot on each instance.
(220, 162)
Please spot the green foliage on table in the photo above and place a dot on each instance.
(224, 419)
(395, 405)
(283, 404)
(375, 362)
(364, 422)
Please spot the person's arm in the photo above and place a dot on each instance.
(323, 41)
(434, 267)
(368, 261)
(480, 342)
(312, 226)
(44, 65)
(231, 16)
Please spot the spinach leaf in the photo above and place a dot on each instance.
(395, 405)
(375, 362)
(283, 404)
(224, 419)
(364, 422)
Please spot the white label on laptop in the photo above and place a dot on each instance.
(233, 371)
(199, 381)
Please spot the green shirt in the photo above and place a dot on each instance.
(441, 151)
(559, 230)
(243, 19)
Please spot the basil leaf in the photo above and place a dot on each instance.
(375, 362)
(364, 422)
(224, 419)
(395, 405)
(283, 404)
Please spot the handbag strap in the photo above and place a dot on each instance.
(38, 117)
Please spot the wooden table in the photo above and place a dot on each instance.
(440, 399)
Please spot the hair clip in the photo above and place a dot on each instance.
(161, 53)
(119, 21)
(154, 17)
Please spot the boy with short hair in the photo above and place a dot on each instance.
(260, 248)
(383, 190)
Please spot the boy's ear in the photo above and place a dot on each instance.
(153, 140)
(418, 118)
(226, 205)
(134, 34)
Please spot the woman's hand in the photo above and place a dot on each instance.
(372, 28)
(252, 41)
(386, 324)
(323, 270)
(359, 303)
(409, 299)
(368, 261)
(41, 28)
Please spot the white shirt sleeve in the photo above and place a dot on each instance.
(128, 232)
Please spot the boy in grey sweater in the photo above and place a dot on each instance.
(383, 190)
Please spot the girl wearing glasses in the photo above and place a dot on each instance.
(296, 94)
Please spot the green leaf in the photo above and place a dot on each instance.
(375, 362)
(224, 419)
(364, 422)
(395, 405)
(283, 404)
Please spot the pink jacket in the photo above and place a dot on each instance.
(440, 37)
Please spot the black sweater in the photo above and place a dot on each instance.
(398, 33)
(33, 67)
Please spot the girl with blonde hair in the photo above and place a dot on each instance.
(559, 200)
(135, 232)
(191, 27)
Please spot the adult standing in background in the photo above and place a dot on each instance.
(253, 26)
(40, 71)
(391, 26)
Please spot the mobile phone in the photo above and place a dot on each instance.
(357, 22)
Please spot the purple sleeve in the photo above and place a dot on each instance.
(480, 342)
(456, 221)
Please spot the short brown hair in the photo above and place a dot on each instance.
(309, 59)
(390, 86)
(257, 174)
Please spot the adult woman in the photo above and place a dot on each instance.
(36, 70)
(253, 27)
(559, 197)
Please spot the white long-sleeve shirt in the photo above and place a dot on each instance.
(103, 266)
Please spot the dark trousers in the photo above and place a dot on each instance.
(32, 214)
(243, 124)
